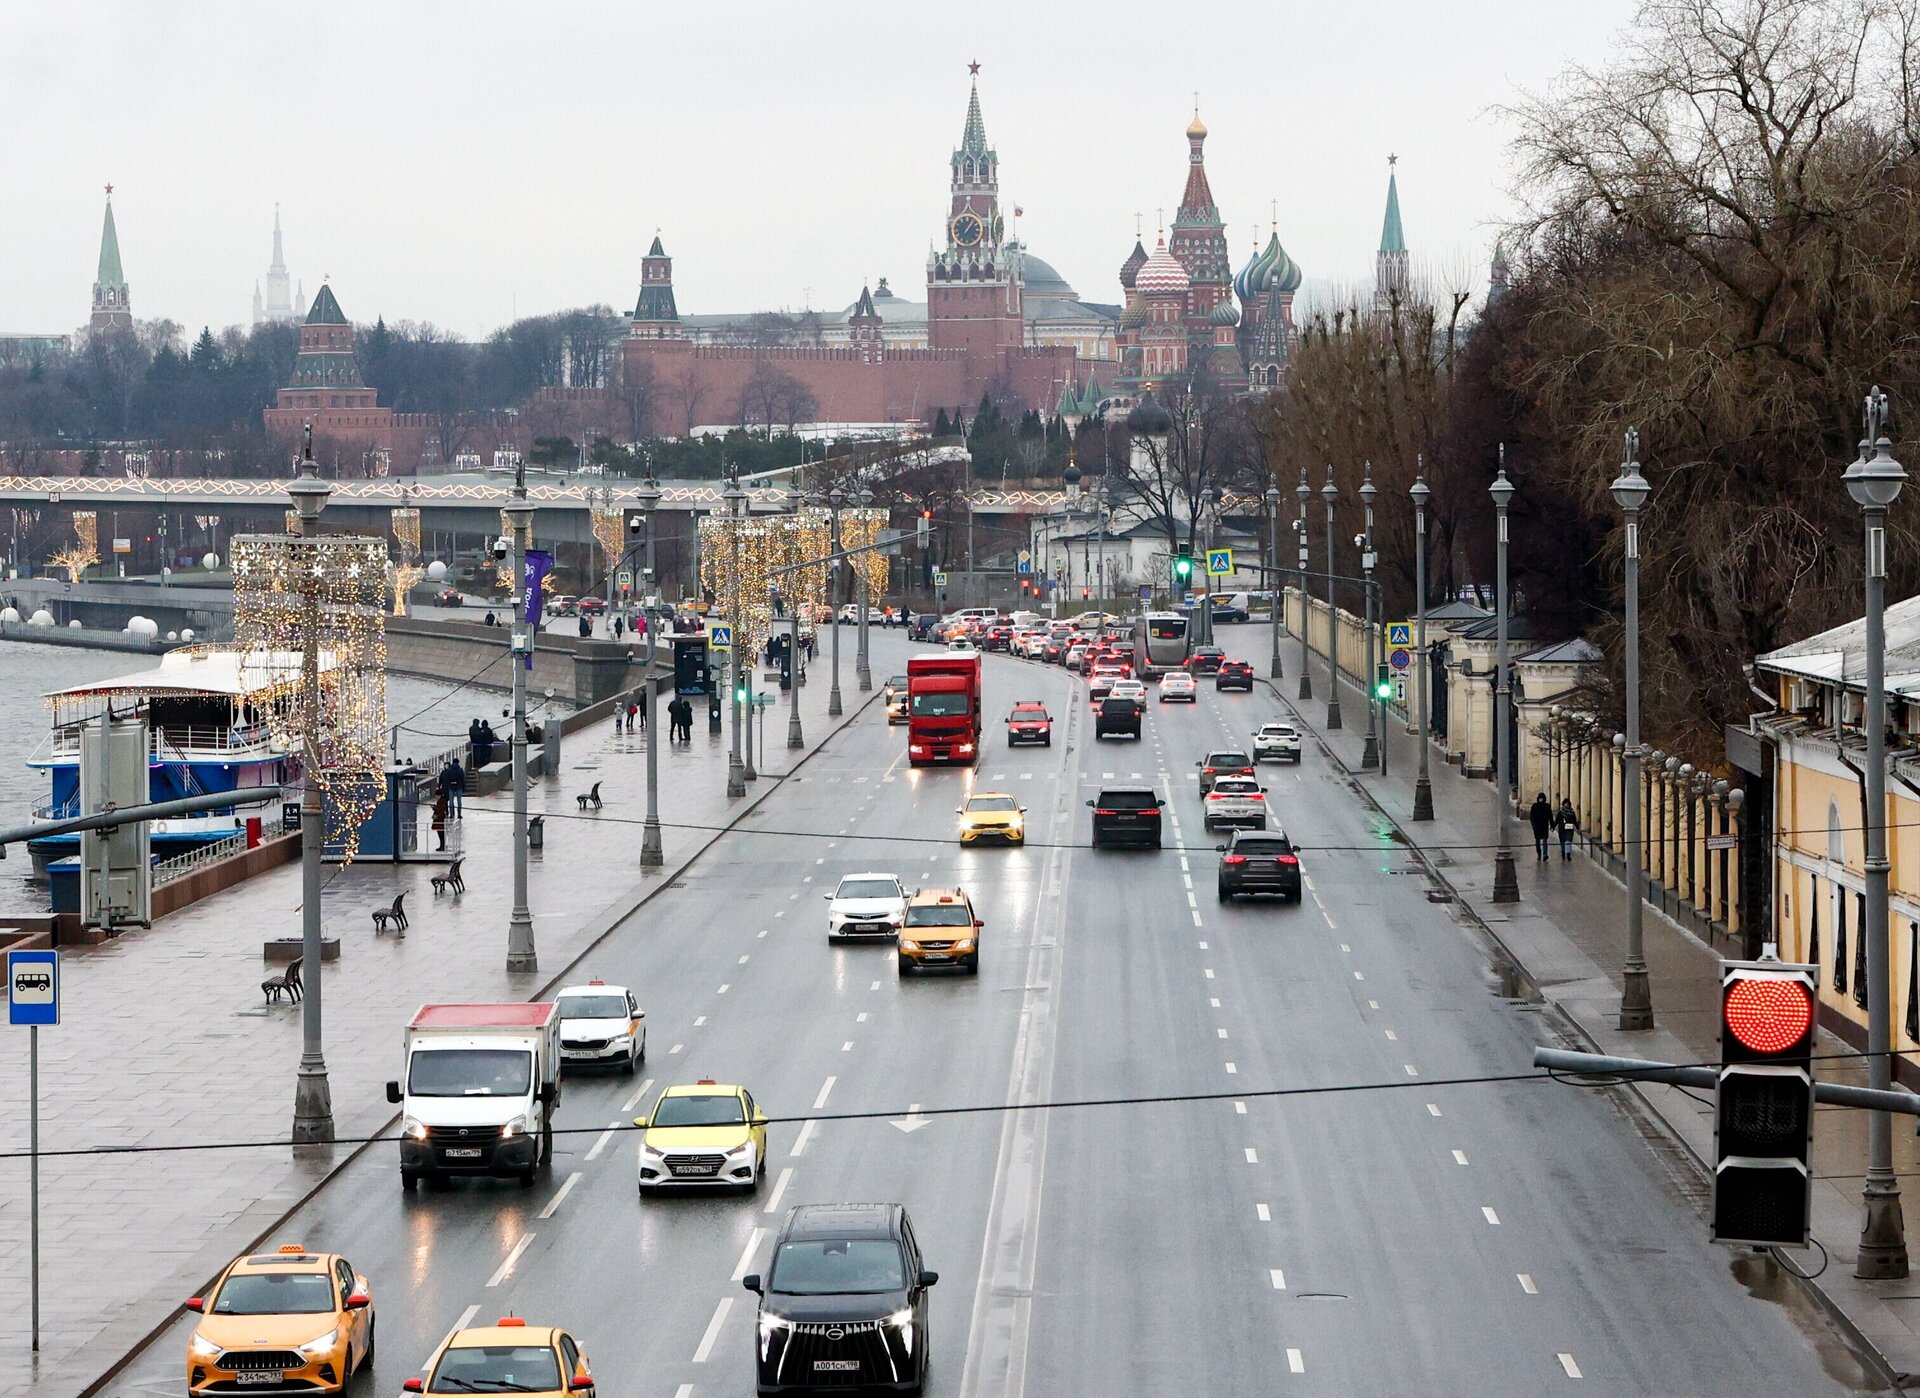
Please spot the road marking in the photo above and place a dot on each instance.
(1295, 1364)
(1526, 1284)
(1359, 975)
(821, 860)
(724, 989)
(1239, 1108)
(1433, 1109)
(780, 912)
(1209, 973)
(466, 1319)
(699, 1021)
(1253, 1156)
(564, 1190)
(806, 1134)
(686, 1389)
(779, 1188)
(713, 1330)
(1190, 898)
(1184, 867)
(638, 1093)
(1196, 915)
(826, 1087)
(506, 1268)
(1263, 1213)
(743, 960)
(1412, 1071)
(1231, 1068)
(675, 1049)
(874, 986)
(1279, 1278)
(1203, 946)
(807, 879)
(860, 1018)
(1214, 1001)
(1345, 947)
(1459, 1157)
(600, 1143)
(847, 1047)
(762, 932)
(1391, 1035)
(1492, 1217)
(746, 1254)
(1566, 1362)
(1221, 1032)
(1373, 1004)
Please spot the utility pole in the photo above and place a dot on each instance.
(652, 855)
(521, 955)
(1506, 887)
(861, 669)
(312, 1096)
(1276, 594)
(1329, 493)
(1423, 676)
(836, 501)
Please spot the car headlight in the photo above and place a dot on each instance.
(415, 1130)
(323, 1345)
(771, 1323)
(647, 1152)
(744, 1148)
(964, 944)
(200, 1347)
(514, 1127)
(901, 1319)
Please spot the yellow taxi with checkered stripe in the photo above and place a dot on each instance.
(510, 1356)
(288, 1321)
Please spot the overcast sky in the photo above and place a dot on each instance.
(463, 162)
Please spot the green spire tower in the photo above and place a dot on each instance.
(111, 308)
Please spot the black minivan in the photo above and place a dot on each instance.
(1126, 815)
(844, 1302)
(920, 626)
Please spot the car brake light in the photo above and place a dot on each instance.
(1234, 859)
(1209, 770)
(1216, 795)
(1289, 859)
(1101, 812)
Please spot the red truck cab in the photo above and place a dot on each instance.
(943, 708)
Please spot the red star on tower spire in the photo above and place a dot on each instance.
(974, 68)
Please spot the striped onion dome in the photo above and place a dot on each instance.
(1134, 314)
(1162, 274)
(1224, 313)
(1243, 284)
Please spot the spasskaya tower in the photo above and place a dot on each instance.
(974, 287)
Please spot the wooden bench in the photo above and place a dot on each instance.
(590, 798)
(451, 881)
(391, 919)
(287, 983)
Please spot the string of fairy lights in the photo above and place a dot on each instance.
(86, 549)
(330, 592)
(768, 543)
(406, 563)
(609, 532)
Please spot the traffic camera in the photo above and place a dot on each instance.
(1763, 1109)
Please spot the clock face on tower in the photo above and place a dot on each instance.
(967, 230)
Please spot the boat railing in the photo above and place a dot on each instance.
(180, 865)
(57, 810)
(171, 744)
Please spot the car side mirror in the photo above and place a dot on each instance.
(1200, 763)
(959, 810)
(751, 1281)
(359, 1301)
(639, 1121)
(1219, 849)
(581, 1384)
(929, 1278)
(977, 922)
(415, 1386)
(1089, 803)
(393, 1091)
(196, 1303)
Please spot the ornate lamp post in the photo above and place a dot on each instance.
(836, 502)
(1274, 593)
(1423, 785)
(735, 498)
(1506, 887)
(1303, 492)
(521, 955)
(796, 739)
(1209, 515)
(1874, 481)
(1370, 750)
(1630, 491)
(1329, 493)
(652, 855)
(860, 666)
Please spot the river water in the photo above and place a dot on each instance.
(432, 715)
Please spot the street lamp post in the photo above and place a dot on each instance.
(652, 855)
(1370, 750)
(1423, 785)
(1274, 591)
(735, 497)
(1506, 887)
(1304, 492)
(1874, 482)
(521, 955)
(836, 502)
(1630, 491)
(312, 1095)
(862, 670)
(796, 739)
(1329, 493)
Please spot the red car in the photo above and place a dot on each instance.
(592, 606)
(1234, 674)
(1030, 723)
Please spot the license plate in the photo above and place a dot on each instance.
(836, 1366)
(259, 1379)
(691, 1170)
(464, 1153)
(935, 956)
(867, 926)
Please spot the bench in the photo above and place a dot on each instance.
(393, 918)
(590, 798)
(287, 983)
(451, 881)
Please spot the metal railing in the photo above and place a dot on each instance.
(172, 744)
(167, 870)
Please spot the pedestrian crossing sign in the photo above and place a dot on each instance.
(939, 579)
(720, 638)
(1399, 634)
(1219, 562)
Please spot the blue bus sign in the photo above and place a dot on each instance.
(33, 987)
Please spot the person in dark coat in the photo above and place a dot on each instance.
(642, 698)
(1540, 817)
(1567, 823)
(453, 781)
(440, 818)
(586, 626)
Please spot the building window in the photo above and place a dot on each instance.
(1913, 981)
(1839, 938)
(1859, 949)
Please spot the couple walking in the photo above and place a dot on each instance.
(1546, 821)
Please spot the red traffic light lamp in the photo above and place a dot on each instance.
(1768, 1017)
(1763, 1104)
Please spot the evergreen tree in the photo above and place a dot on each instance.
(941, 426)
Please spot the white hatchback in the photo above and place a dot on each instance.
(1178, 685)
(1135, 690)
(1277, 742)
(866, 905)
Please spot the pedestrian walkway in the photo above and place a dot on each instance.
(165, 1038)
(1567, 936)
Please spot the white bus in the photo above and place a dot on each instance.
(1160, 643)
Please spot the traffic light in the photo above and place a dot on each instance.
(1383, 682)
(1182, 568)
(925, 527)
(1086, 594)
(1763, 1110)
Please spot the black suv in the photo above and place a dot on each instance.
(1117, 718)
(1206, 660)
(845, 1302)
(1259, 861)
(1126, 815)
(1234, 674)
(920, 628)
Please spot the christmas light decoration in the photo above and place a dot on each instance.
(86, 551)
(406, 567)
(609, 531)
(771, 542)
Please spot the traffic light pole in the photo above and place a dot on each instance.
(1601, 1065)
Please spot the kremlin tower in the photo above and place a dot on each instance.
(112, 309)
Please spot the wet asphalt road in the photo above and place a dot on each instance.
(1412, 1237)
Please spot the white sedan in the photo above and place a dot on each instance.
(1178, 685)
(1135, 690)
(601, 1025)
(866, 905)
(962, 643)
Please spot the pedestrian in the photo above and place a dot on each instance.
(643, 708)
(488, 620)
(680, 712)
(619, 715)
(586, 627)
(618, 626)
(1567, 823)
(1540, 817)
(440, 819)
(453, 781)
(633, 715)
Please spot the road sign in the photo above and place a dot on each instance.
(1219, 562)
(1026, 561)
(719, 638)
(1729, 841)
(623, 579)
(123, 546)
(33, 987)
(1146, 592)
(1399, 689)
(1400, 657)
(939, 579)
(1400, 633)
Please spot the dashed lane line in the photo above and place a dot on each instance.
(806, 1134)
(506, 1268)
(1491, 1217)
(1232, 1068)
(1253, 1156)
(847, 1047)
(1526, 1283)
(699, 1021)
(1278, 1277)
(1459, 1157)
(1566, 1362)
(1296, 1363)
(1391, 1035)
(600, 1141)
(1433, 1109)
(713, 1330)
(1239, 1108)
(561, 1193)
(779, 1188)
(820, 1102)
(724, 989)
(638, 1093)
(1263, 1213)
(745, 1264)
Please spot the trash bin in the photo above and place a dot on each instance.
(536, 832)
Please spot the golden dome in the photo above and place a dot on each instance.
(1197, 127)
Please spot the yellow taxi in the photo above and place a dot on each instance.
(992, 815)
(703, 1135)
(509, 1357)
(291, 1321)
(941, 930)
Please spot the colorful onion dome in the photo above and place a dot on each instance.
(1134, 314)
(1131, 267)
(1224, 313)
(1149, 418)
(1162, 274)
(1243, 284)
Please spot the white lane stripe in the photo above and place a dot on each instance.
(1196, 917)
(686, 1389)
(741, 1267)
(1295, 1364)
(826, 1087)
(1214, 1002)
(699, 1021)
(638, 1093)
(600, 1141)
(1253, 1156)
(1209, 973)
(1231, 1068)
(1359, 975)
(466, 1319)
(860, 1018)
(1526, 1283)
(1459, 1157)
(1240, 1108)
(743, 961)
(713, 1330)
(1279, 1278)
(561, 1193)
(675, 1049)
(1373, 1004)
(1393, 1036)
(1491, 1217)
(506, 1268)
(1203, 946)
(847, 1046)
(1412, 1071)
(874, 986)
(1433, 1109)
(806, 1134)
(1566, 1362)
(1221, 1032)
(724, 989)
(779, 1188)
(1345, 947)
(1263, 1213)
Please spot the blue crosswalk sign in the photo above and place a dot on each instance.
(1219, 562)
(720, 637)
